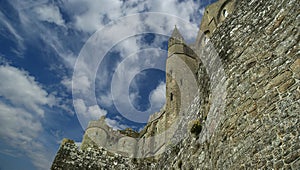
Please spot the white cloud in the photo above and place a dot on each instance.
(105, 100)
(95, 14)
(18, 38)
(202, 10)
(83, 83)
(22, 90)
(20, 129)
(13, 123)
(95, 111)
(87, 113)
(158, 95)
(80, 106)
(21, 111)
(50, 13)
(67, 82)
(115, 124)
(11, 29)
(89, 16)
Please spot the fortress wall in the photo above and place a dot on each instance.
(140, 151)
(98, 135)
(262, 112)
(154, 137)
(128, 145)
(70, 158)
(259, 128)
(161, 124)
(148, 146)
(94, 136)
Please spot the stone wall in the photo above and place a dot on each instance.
(69, 157)
(98, 133)
(213, 16)
(255, 122)
(259, 128)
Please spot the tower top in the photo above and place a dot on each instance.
(176, 34)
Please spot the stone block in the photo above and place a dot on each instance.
(280, 78)
(282, 88)
(296, 66)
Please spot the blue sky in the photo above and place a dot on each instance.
(45, 46)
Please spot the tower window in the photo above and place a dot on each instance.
(171, 96)
(207, 32)
(206, 35)
(225, 13)
(181, 82)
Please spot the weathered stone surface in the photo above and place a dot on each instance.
(260, 125)
(69, 157)
(263, 133)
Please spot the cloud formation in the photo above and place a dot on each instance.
(93, 15)
(158, 95)
(50, 13)
(21, 90)
(90, 112)
(22, 105)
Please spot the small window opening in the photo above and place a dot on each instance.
(171, 96)
(181, 82)
(207, 32)
(225, 13)
(206, 35)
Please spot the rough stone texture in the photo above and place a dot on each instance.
(69, 157)
(259, 126)
(214, 15)
(259, 129)
(100, 134)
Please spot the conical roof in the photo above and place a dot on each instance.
(176, 34)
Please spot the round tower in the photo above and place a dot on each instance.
(127, 145)
(95, 134)
(181, 79)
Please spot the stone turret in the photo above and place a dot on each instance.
(95, 134)
(176, 47)
(99, 134)
(180, 70)
(176, 38)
